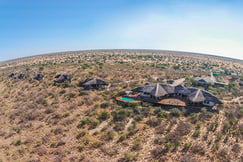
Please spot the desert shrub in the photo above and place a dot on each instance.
(81, 147)
(196, 133)
(83, 93)
(198, 148)
(138, 117)
(58, 130)
(41, 150)
(218, 137)
(45, 102)
(129, 156)
(226, 127)
(104, 115)
(45, 139)
(175, 112)
(122, 138)
(158, 152)
(159, 140)
(18, 142)
(205, 115)
(31, 115)
(183, 128)
(194, 118)
(81, 134)
(236, 148)
(49, 110)
(132, 130)
(162, 114)
(57, 116)
(67, 121)
(213, 126)
(41, 68)
(109, 135)
(153, 122)
(104, 105)
(188, 158)
(34, 159)
(97, 144)
(110, 151)
(93, 123)
(224, 153)
(70, 95)
(62, 91)
(119, 126)
(121, 115)
(88, 101)
(137, 145)
(160, 129)
(82, 123)
(187, 146)
(60, 143)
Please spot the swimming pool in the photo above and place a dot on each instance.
(126, 99)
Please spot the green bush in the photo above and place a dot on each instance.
(104, 115)
(18, 142)
(81, 134)
(121, 115)
(175, 112)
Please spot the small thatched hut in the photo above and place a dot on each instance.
(38, 77)
(60, 78)
(93, 83)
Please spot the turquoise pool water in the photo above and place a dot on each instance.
(126, 99)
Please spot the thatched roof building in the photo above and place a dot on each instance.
(60, 78)
(38, 77)
(93, 83)
(192, 95)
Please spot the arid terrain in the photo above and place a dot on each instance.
(43, 121)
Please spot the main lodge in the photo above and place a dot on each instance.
(157, 93)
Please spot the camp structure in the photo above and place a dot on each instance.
(11, 75)
(191, 96)
(60, 78)
(38, 77)
(202, 97)
(93, 83)
(17, 76)
(204, 81)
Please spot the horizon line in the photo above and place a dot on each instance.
(122, 49)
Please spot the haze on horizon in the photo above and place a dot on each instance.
(204, 26)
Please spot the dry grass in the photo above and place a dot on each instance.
(41, 121)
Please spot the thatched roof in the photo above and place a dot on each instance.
(138, 89)
(38, 77)
(155, 90)
(21, 76)
(158, 91)
(93, 81)
(211, 97)
(193, 94)
(168, 88)
(60, 78)
(11, 75)
(196, 96)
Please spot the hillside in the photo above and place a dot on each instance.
(43, 121)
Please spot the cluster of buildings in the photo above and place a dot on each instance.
(152, 93)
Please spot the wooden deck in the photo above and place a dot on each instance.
(172, 101)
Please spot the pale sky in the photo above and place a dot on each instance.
(211, 27)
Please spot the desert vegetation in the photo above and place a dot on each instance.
(43, 121)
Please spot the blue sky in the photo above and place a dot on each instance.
(36, 27)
